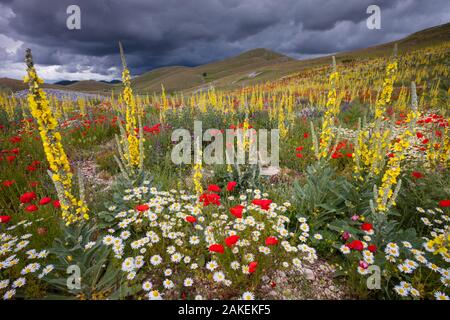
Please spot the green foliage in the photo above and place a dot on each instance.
(322, 198)
(78, 246)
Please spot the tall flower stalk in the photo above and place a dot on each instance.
(132, 153)
(331, 112)
(59, 168)
(393, 170)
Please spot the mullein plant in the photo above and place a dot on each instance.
(73, 209)
(372, 141)
(387, 194)
(130, 146)
(164, 105)
(197, 171)
(321, 147)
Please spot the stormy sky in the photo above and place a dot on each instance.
(191, 32)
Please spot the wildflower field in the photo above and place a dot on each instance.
(93, 207)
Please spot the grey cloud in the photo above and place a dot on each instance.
(165, 32)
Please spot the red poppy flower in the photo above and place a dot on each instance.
(366, 226)
(417, 175)
(231, 240)
(8, 183)
(10, 158)
(372, 248)
(419, 135)
(31, 208)
(16, 139)
(263, 203)
(237, 211)
(355, 245)
(349, 155)
(218, 248)
(34, 184)
(191, 219)
(56, 204)
(142, 207)
(210, 198)
(305, 135)
(5, 219)
(252, 266)
(213, 188)
(27, 197)
(271, 241)
(154, 130)
(444, 203)
(299, 148)
(231, 185)
(299, 155)
(337, 155)
(45, 201)
(15, 150)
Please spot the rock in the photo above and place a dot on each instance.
(309, 274)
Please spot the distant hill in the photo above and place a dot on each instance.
(17, 85)
(179, 78)
(91, 86)
(254, 66)
(66, 82)
(112, 81)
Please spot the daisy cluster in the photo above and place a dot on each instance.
(422, 270)
(18, 262)
(170, 242)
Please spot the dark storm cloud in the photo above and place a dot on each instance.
(166, 32)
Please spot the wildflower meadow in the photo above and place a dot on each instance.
(101, 200)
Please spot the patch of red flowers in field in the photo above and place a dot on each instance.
(263, 203)
(417, 175)
(190, 219)
(355, 245)
(366, 226)
(231, 185)
(27, 197)
(8, 183)
(5, 219)
(271, 241)
(444, 203)
(252, 266)
(231, 240)
(237, 211)
(31, 208)
(342, 149)
(153, 130)
(45, 201)
(213, 188)
(142, 207)
(210, 198)
(217, 248)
